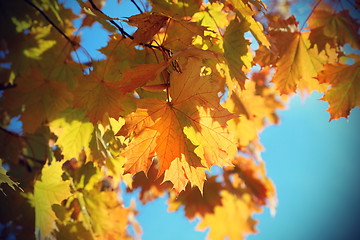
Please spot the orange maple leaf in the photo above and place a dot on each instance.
(151, 186)
(99, 97)
(148, 25)
(140, 75)
(344, 93)
(188, 133)
(195, 203)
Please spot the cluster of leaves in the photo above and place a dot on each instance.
(169, 102)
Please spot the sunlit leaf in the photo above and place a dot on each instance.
(51, 189)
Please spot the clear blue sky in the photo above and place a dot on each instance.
(314, 164)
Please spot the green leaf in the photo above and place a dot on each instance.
(51, 189)
(212, 18)
(255, 27)
(236, 49)
(4, 178)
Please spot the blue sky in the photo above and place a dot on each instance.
(314, 164)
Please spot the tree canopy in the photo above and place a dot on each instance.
(189, 89)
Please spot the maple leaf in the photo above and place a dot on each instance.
(182, 8)
(108, 217)
(231, 220)
(41, 97)
(298, 66)
(72, 230)
(236, 49)
(73, 131)
(318, 37)
(252, 175)
(4, 178)
(345, 88)
(180, 34)
(148, 25)
(259, 4)
(99, 97)
(255, 106)
(195, 203)
(340, 26)
(212, 18)
(187, 134)
(51, 189)
(255, 27)
(139, 76)
(151, 186)
(264, 57)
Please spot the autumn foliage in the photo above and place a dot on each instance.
(190, 89)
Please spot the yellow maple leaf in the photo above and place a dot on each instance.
(232, 220)
(255, 27)
(73, 131)
(298, 66)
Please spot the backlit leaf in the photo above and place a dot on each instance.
(236, 49)
(182, 132)
(255, 27)
(51, 189)
(344, 93)
(232, 220)
(4, 178)
(148, 25)
(298, 66)
(73, 130)
(99, 97)
(340, 26)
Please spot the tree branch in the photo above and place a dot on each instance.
(14, 134)
(51, 22)
(125, 34)
(137, 6)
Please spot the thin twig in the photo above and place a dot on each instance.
(51, 22)
(122, 31)
(125, 34)
(14, 134)
(33, 158)
(137, 6)
(310, 14)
